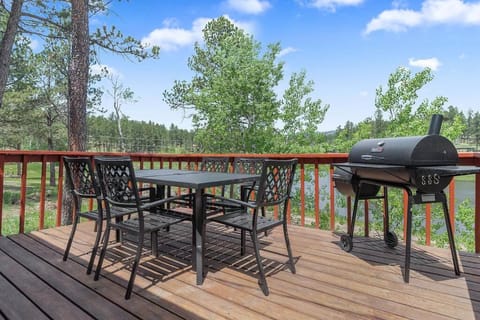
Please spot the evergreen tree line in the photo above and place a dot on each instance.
(138, 136)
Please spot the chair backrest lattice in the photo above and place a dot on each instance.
(118, 182)
(248, 165)
(80, 177)
(245, 166)
(214, 164)
(276, 182)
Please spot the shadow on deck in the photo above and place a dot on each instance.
(329, 283)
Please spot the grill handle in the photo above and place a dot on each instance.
(435, 124)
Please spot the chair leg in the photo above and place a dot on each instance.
(262, 281)
(106, 236)
(134, 266)
(98, 227)
(70, 239)
(154, 243)
(289, 249)
(242, 242)
(263, 215)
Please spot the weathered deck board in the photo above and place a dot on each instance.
(329, 283)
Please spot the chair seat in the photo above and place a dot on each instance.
(243, 220)
(152, 222)
(92, 214)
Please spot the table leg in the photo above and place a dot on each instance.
(198, 248)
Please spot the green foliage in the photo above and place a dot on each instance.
(232, 99)
(139, 136)
(407, 117)
(300, 117)
(231, 91)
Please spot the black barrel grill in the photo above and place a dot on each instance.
(423, 166)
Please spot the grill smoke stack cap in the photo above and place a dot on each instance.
(435, 124)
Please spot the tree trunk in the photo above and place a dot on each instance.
(7, 42)
(78, 77)
(77, 89)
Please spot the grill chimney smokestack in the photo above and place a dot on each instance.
(435, 124)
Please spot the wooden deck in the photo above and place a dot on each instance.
(366, 283)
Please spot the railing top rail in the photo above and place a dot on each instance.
(465, 158)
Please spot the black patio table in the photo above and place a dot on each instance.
(199, 181)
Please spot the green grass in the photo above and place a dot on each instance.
(11, 199)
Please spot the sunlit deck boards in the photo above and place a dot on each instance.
(330, 284)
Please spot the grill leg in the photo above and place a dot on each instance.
(451, 238)
(386, 219)
(351, 227)
(408, 240)
(347, 240)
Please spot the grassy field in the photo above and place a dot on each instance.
(11, 199)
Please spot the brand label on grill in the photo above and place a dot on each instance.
(376, 149)
(430, 179)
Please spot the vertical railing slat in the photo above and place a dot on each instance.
(2, 174)
(23, 195)
(317, 196)
(332, 199)
(43, 178)
(302, 194)
(428, 223)
(477, 213)
(58, 218)
(451, 203)
(366, 228)
(405, 213)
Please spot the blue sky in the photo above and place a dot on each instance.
(348, 48)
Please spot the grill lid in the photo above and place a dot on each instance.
(429, 150)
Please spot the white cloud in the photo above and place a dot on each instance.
(331, 4)
(432, 12)
(171, 37)
(432, 63)
(249, 6)
(102, 68)
(286, 51)
(364, 93)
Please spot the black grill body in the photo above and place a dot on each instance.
(429, 150)
(422, 164)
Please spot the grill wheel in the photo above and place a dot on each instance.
(347, 242)
(391, 239)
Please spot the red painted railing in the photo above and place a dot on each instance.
(314, 162)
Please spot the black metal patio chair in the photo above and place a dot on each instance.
(122, 198)
(209, 164)
(240, 191)
(273, 190)
(82, 184)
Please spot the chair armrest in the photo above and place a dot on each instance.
(156, 203)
